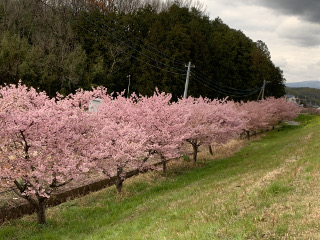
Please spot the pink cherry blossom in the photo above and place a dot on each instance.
(43, 143)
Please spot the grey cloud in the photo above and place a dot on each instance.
(305, 41)
(303, 33)
(307, 9)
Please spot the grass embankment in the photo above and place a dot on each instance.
(267, 190)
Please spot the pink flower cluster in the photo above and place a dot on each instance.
(259, 115)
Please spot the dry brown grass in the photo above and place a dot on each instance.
(225, 150)
(219, 151)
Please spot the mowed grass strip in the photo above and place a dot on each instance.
(267, 190)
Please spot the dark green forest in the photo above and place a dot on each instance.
(60, 46)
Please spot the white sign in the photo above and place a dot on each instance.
(93, 105)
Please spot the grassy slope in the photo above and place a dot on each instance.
(268, 190)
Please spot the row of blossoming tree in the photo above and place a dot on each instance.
(46, 143)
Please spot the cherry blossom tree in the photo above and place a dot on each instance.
(164, 123)
(119, 143)
(285, 110)
(278, 110)
(43, 144)
(256, 115)
(210, 121)
(268, 112)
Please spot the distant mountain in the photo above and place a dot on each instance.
(309, 84)
(308, 95)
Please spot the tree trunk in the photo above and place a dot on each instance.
(195, 151)
(210, 150)
(119, 184)
(119, 180)
(164, 164)
(38, 202)
(248, 135)
(41, 212)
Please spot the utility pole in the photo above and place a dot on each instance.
(128, 86)
(264, 86)
(262, 90)
(185, 94)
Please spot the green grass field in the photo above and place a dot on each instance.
(267, 190)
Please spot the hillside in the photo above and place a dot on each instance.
(305, 84)
(267, 190)
(310, 95)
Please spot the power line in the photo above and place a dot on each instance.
(224, 91)
(218, 85)
(203, 75)
(115, 22)
(119, 40)
(97, 35)
(165, 70)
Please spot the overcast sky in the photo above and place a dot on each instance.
(290, 28)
